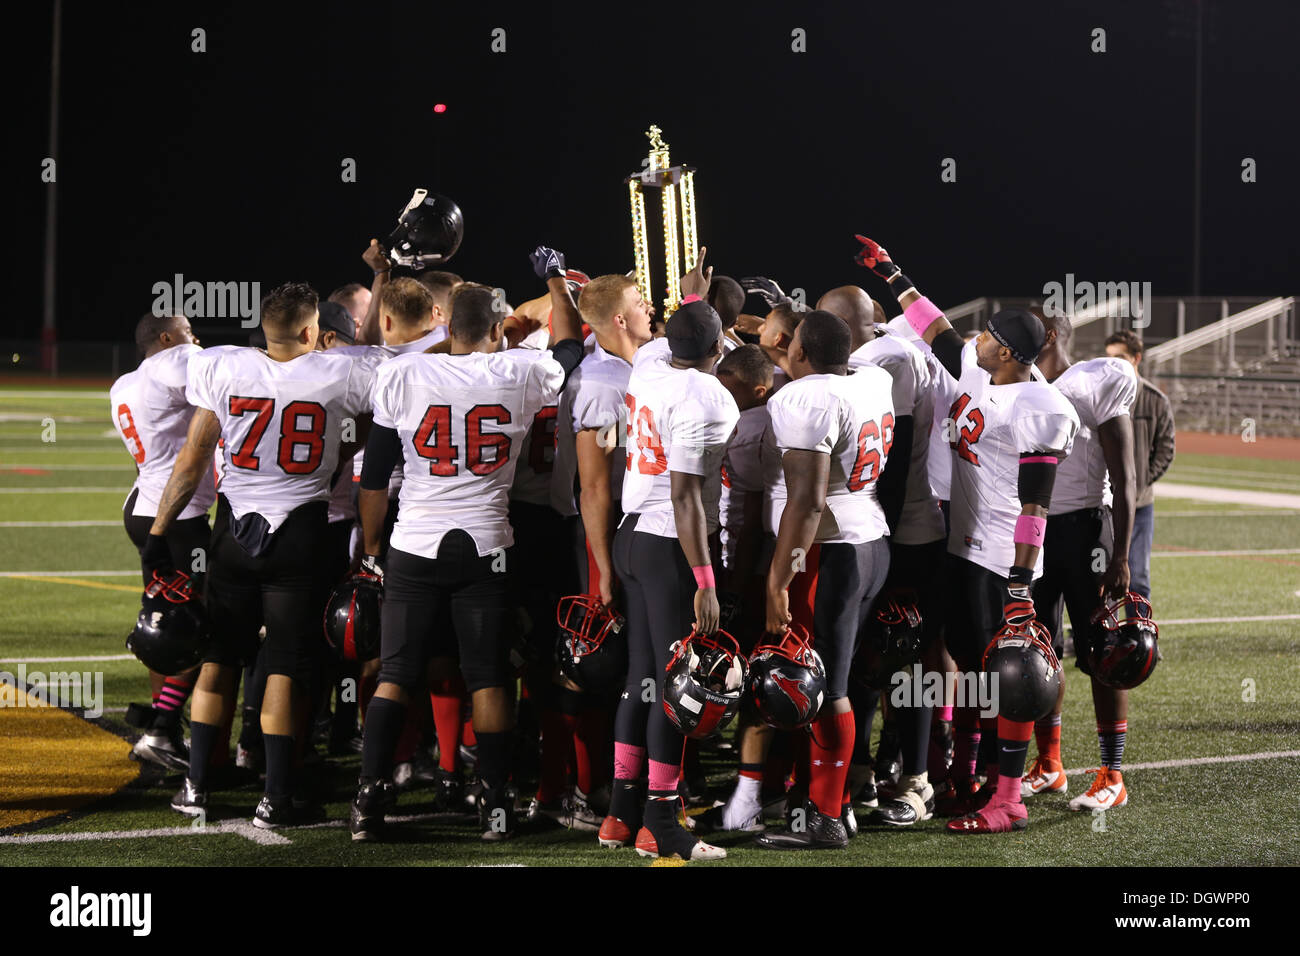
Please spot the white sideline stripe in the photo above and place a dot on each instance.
(1230, 620)
(1196, 761)
(53, 393)
(1222, 554)
(67, 660)
(89, 490)
(239, 827)
(69, 574)
(1232, 496)
(1215, 470)
(43, 467)
(59, 524)
(1275, 513)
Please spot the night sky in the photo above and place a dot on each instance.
(225, 165)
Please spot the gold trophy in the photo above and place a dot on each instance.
(679, 255)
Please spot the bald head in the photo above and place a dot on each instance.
(856, 308)
(1057, 325)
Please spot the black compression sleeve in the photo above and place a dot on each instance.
(1036, 477)
(568, 352)
(383, 454)
(947, 346)
(891, 489)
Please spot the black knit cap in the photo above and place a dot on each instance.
(335, 318)
(1020, 331)
(693, 330)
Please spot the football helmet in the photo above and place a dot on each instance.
(891, 642)
(429, 230)
(703, 683)
(171, 633)
(787, 680)
(591, 649)
(352, 618)
(1122, 650)
(1027, 673)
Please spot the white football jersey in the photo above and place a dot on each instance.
(1099, 389)
(851, 418)
(282, 421)
(152, 415)
(992, 426)
(593, 398)
(921, 521)
(742, 473)
(462, 421)
(677, 420)
(533, 474)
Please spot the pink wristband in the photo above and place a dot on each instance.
(921, 314)
(704, 576)
(1030, 530)
(691, 298)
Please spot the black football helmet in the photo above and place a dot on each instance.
(591, 649)
(1122, 649)
(352, 618)
(1027, 673)
(787, 680)
(891, 642)
(171, 633)
(429, 230)
(703, 683)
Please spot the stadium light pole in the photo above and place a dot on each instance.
(49, 353)
(1196, 153)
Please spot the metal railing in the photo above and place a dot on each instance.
(1277, 315)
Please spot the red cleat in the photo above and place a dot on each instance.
(614, 833)
(994, 818)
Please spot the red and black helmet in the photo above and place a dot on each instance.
(171, 632)
(1122, 649)
(787, 680)
(591, 649)
(352, 618)
(1024, 673)
(891, 642)
(703, 683)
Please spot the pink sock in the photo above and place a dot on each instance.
(944, 713)
(965, 752)
(663, 776)
(628, 761)
(1008, 790)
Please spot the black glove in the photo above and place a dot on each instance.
(1018, 608)
(769, 290)
(370, 569)
(547, 263)
(156, 558)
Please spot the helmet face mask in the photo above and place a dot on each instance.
(1123, 649)
(352, 617)
(787, 680)
(704, 683)
(591, 648)
(891, 642)
(1026, 669)
(171, 632)
(429, 231)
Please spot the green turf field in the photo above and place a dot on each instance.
(1225, 688)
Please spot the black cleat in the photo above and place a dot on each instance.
(815, 832)
(850, 821)
(163, 749)
(190, 801)
(450, 789)
(910, 806)
(273, 812)
(373, 800)
(496, 813)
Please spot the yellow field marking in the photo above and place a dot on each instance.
(80, 582)
(53, 761)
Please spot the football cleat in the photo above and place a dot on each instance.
(190, 801)
(1106, 793)
(1045, 776)
(614, 833)
(815, 831)
(496, 813)
(373, 800)
(994, 818)
(249, 758)
(959, 798)
(273, 812)
(912, 805)
(733, 815)
(164, 750)
(450, 786)
(850, 821)
(862, 786)
(646, 845)
(570, 811)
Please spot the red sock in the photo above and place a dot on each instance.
(1047, 737)
(557, 747)
(830, 749)
(467, 734)
(445, 701)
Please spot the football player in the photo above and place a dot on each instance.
(832, 433)
(282, 413)
(1091, 516)
(152, 414)
(456, 421)
(917, 533)
(1009, 434)
(679, 417)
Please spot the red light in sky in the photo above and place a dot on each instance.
(440, 107)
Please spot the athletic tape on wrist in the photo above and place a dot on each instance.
(1030, 530)
(704, 576)
(691, 298)
(921, 314)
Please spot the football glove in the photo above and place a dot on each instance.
(873, 256)
(769, 290)
(370, 569)
(156, 558)
(1018, 609)
(547, 263)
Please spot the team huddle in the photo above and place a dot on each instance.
(576, 538)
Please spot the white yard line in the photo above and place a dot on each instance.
(96, 490)
(1271, 513)
(69, 574)
(43, 467)
(1232, 496)
(53, 393)
(66, 660)
(1197, 761)
(1222, 554)
(1228, 620)
(60, 524)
